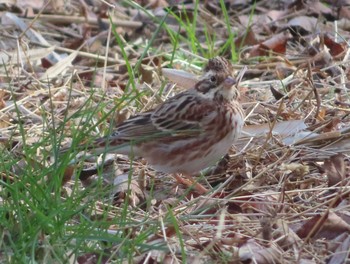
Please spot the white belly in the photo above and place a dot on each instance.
(218, 150)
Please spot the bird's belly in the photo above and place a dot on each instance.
(192, 159)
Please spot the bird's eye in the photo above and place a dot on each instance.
(213, 79)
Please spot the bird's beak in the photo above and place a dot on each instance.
(229, 82)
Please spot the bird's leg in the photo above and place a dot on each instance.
(190, 182)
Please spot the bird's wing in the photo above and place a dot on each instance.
(136, 126)
(134, 130)
(180, 115)
(183, 114)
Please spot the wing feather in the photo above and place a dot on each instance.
(182, 114)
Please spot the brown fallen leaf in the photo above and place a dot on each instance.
(246, 39)
(306, 23)
(2, 101)
(323, 226)
(125, 188)
(340, 250)
(335, 49)
(277, 94)
(335, 169)
(256, 253)
(276, 44)
(344, 12)
(92, 258)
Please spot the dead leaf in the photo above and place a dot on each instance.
(31, 55)
(92, 258)
(183, 78)
(341, 250)
(276, 44)
(246, 39)
(2, 101)
(37, 4)
(335, 48)
(307, 23)
(146, 74)
(254, 252)
(335, 169)
(284, 129)
(328, 226)
(59, 68)
(123, 188)
(284, 235)
(277, 94)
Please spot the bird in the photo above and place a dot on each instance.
(186, 133)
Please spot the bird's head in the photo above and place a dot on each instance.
(217, 82)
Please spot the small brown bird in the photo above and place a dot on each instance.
(187, 133)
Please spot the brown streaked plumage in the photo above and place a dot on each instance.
(187, 133)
